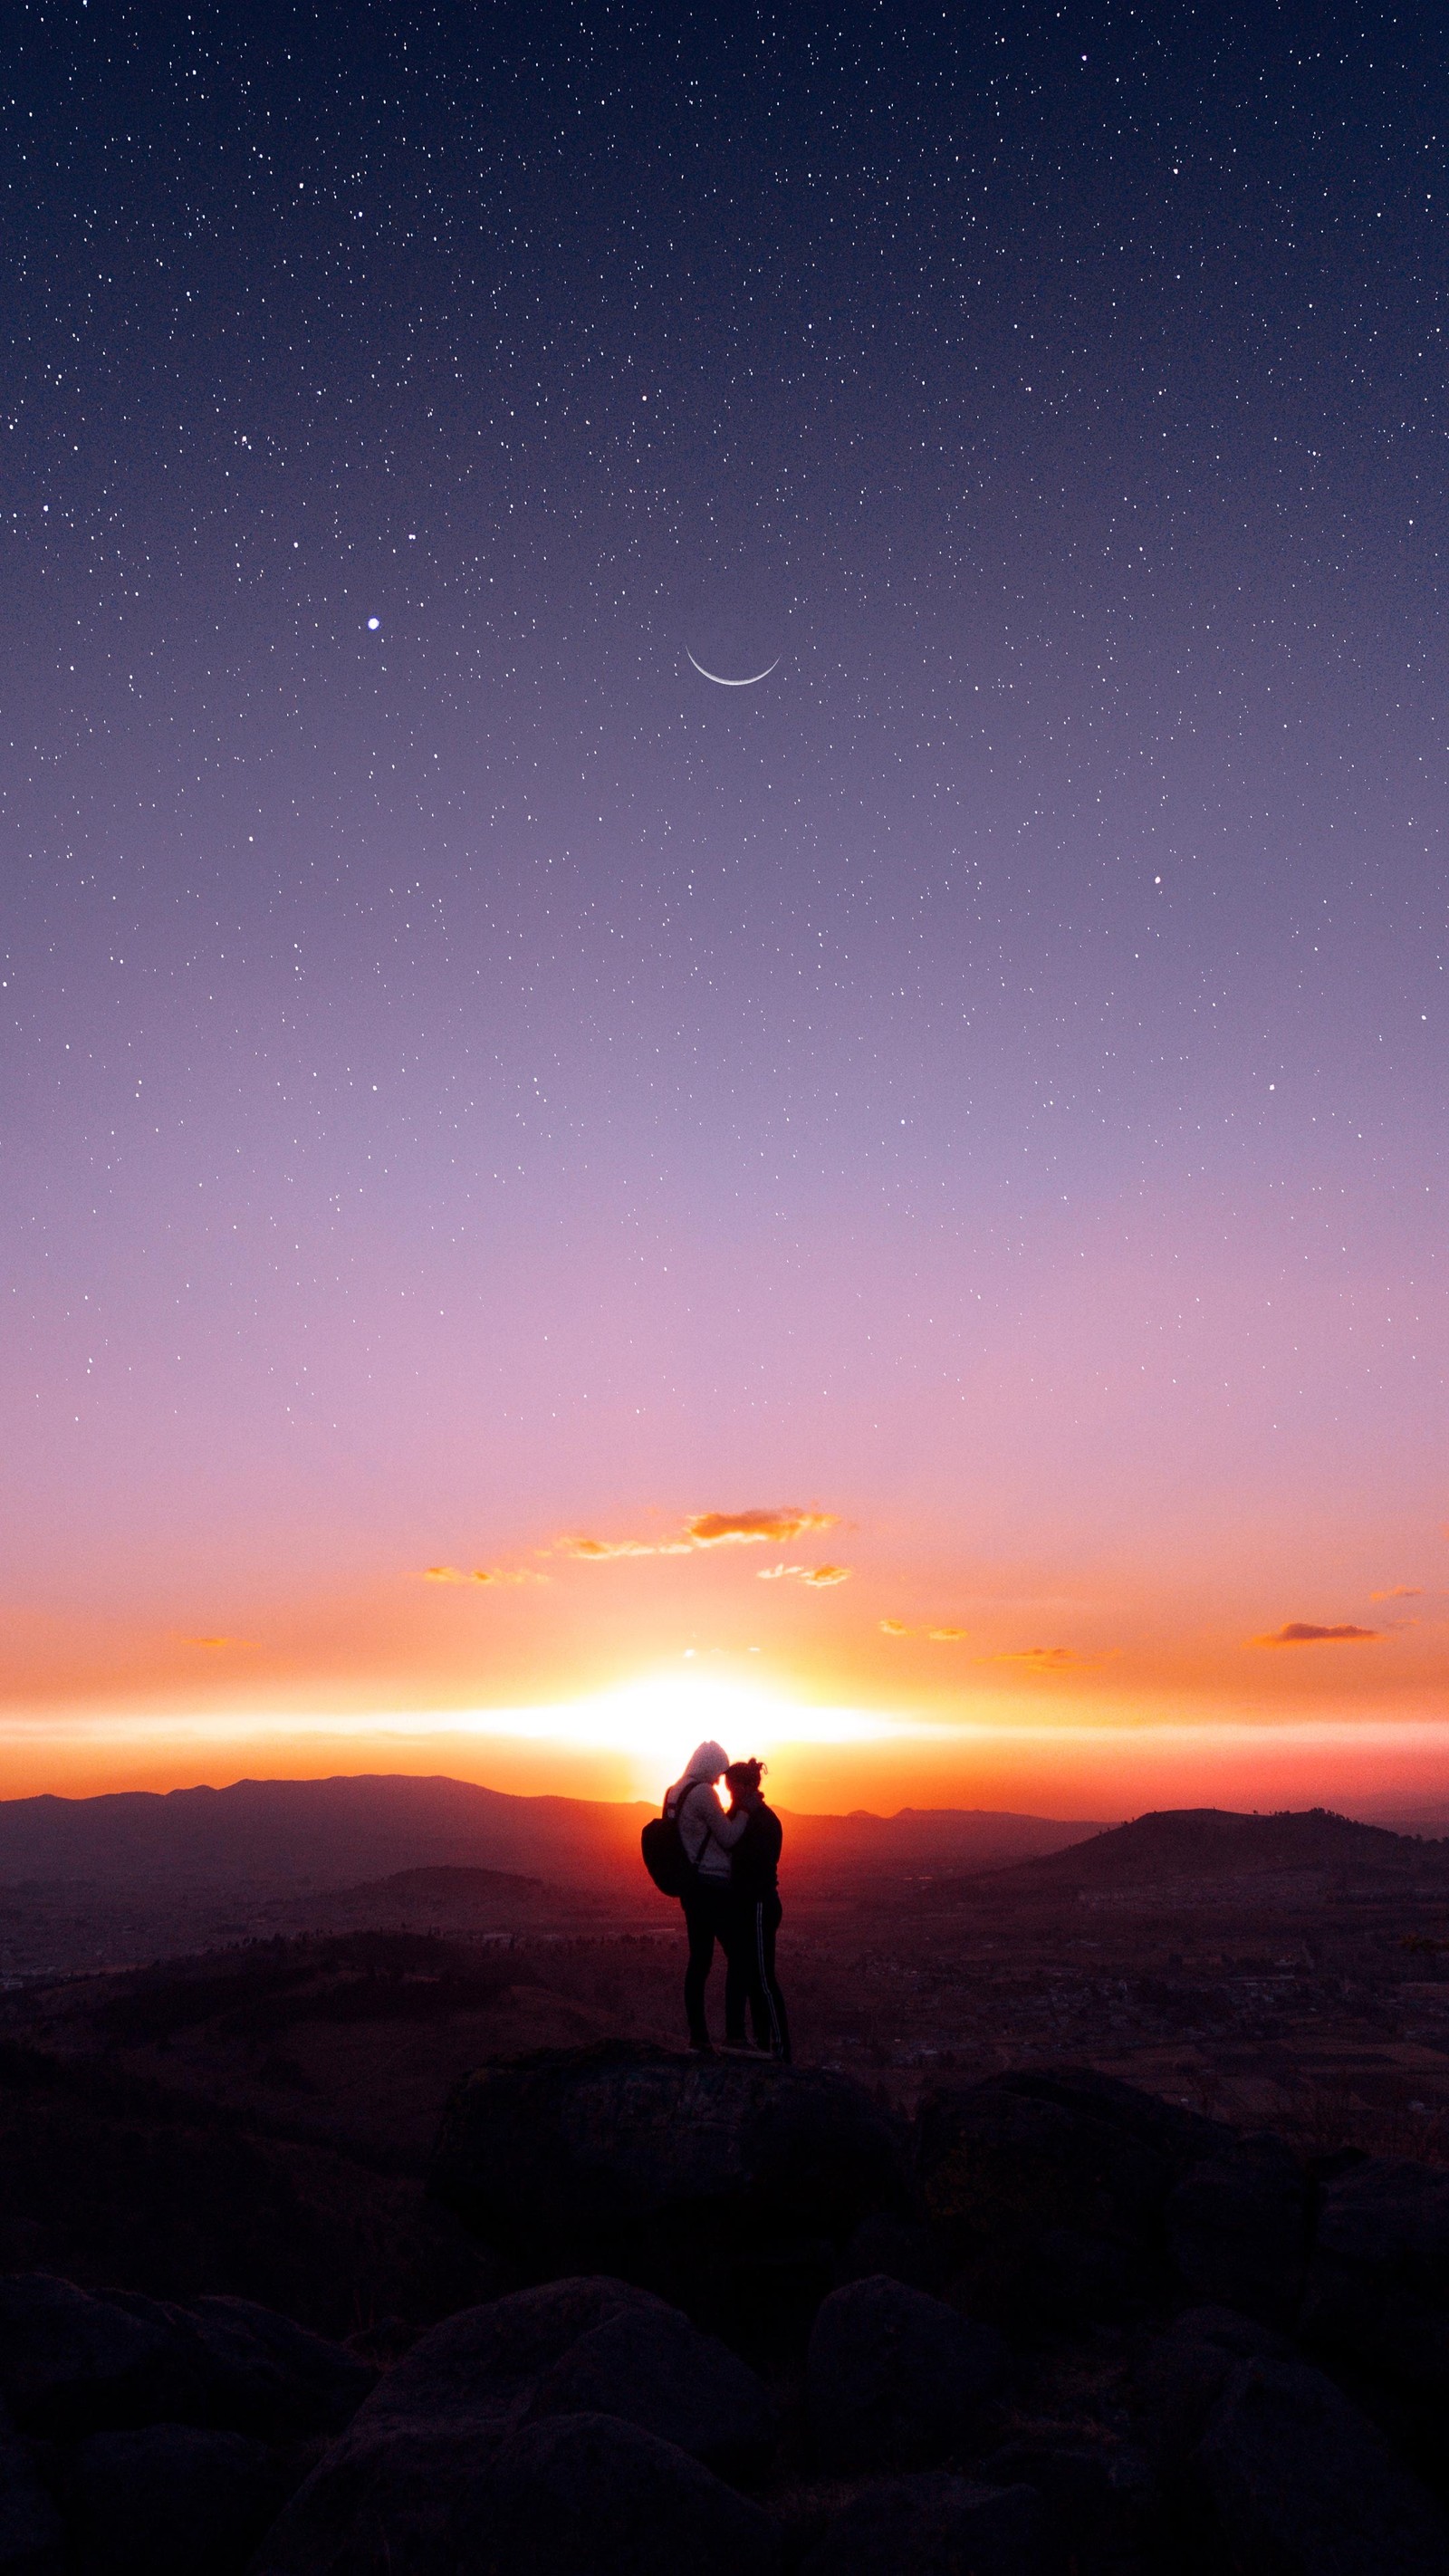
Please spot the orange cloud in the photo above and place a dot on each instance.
(214, 1642)
(894, 1628)
(933, 1636)
(482, 1574)
(817, 1574)
(1299, 1632)
(1400, 1592)
(708, 1529)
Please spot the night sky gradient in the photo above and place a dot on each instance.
(472, 1087)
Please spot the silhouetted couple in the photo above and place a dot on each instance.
(732, 1896)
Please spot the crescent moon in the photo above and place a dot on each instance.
(751, 683)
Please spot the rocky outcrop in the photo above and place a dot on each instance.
(387, 2491)
(721, 2182)
(150, 2439)
(589, 2495)
(1237, 2228)
(1100, 2489)
(936, 2525)
(1050, 2190)
(1180, 2376)
(898, 2246)
(76, 2361)
(272, 2377)
(1090, 2338)
(381, 2501)
(1378, 2278)
(32, 2534)
(171, 2500)
(652, 2368)
(71, 2363)
(893, 2377)
(482, 2365)
(1304, 2485)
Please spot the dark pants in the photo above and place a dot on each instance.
(707, 1919)
(750, 1949)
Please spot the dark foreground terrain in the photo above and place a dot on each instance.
(1102, 2226)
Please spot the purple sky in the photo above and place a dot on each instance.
(469, 1083)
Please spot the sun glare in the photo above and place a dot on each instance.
(657, 1721)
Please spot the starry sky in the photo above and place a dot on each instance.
(898, 1209)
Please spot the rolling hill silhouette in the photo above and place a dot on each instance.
(335, 1833)
(1211, 1843)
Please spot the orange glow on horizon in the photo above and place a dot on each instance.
(628, 1743)
(1082, 1686)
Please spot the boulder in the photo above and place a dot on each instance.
(586, 2495)
(76, 2361)
(900, 2247)
(1180, 2137)
(379, 2503)
(653, 2368)
(1180, 2376)
(1377, 2292)
(1049, 2194)
(935, 2525)
(172, 2500)
(383, 2496)
(1304, 2485)
(72, 2363)
(274, 2378)
(1237, 2228)
(484, 2364)
(1096, 2487)
(691, 2174)
(32, 2536)
(893, 2376)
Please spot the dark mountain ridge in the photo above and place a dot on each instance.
(1206, 1843)
(336, 1832)
(322, 1832)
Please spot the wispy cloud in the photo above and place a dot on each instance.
(1301, 1632)
(1400, 1592)
(213, 1644)
(1046, 1659)
(481, 1574)
(770, 1527)
(934, 1636)
(821, 1575)
(601, 1551)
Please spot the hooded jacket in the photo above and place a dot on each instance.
(707, 1833)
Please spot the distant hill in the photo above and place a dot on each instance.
(317, 1833)
(916, 1841)
(286, 1835)
(1205, 1844)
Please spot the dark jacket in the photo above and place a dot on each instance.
(756, 1856)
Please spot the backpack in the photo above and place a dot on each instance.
(665, 1857)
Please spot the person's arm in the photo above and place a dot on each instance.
(725, 1829)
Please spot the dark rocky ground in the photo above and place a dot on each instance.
(1104, 2226)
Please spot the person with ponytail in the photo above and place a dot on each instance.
(755, 1913)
